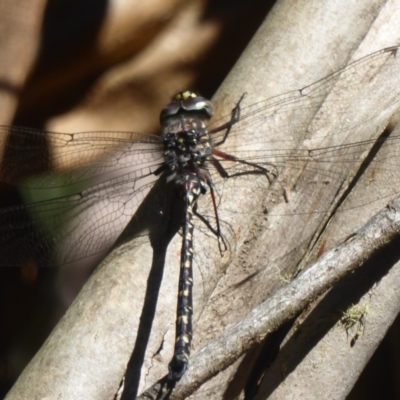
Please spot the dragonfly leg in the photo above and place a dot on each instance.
(265, 168)
(235, 116)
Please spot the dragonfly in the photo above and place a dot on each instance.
(78, 215)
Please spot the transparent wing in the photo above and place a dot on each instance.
(82, 212)
(28, 152)
(316, 131)
(320, 133)
(288, 116)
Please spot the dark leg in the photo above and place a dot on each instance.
(257, 168)
(228, 126)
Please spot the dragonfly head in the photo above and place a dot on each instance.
(186, 102)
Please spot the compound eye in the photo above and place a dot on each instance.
(170, 109)
(187, 101)
(198, 104)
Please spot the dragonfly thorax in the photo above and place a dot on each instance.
(186, 150)
(187, 144)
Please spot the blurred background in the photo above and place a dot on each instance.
(74, 65)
